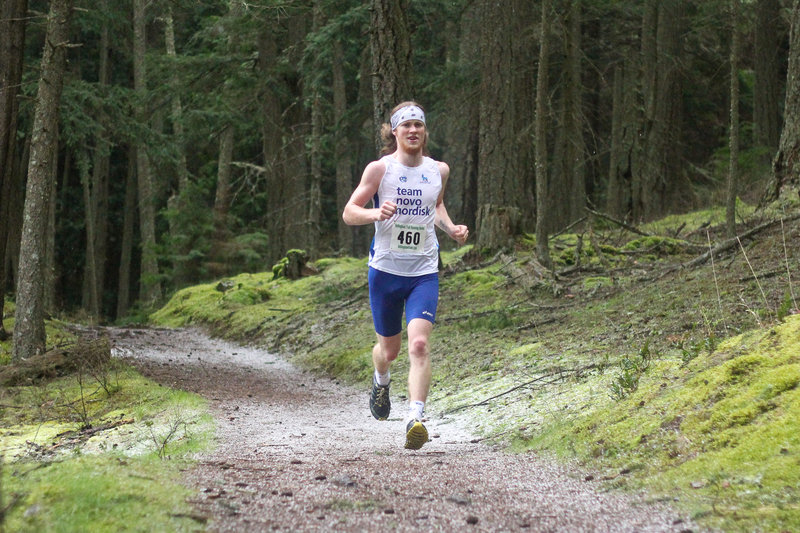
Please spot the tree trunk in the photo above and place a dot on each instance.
(98, 193)
(176, 200)
(646, 106)
(295, 161)
(661, 167)
(271, 139)
(177, 105)
(615, 199)
(222, 200)
(29, 332)
(390, 42)
(500, 224)
(786, 165)
(542, 123)
(50, 264)
(17, 199)
(314, 216)
(90, 271)
(733, 166)
(12, 41)
(504, 158)
(461, 128)
(344, 163)
(150, 286)
(126, 245)
(769, 37)
(573, 164)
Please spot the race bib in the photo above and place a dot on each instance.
(408, 238)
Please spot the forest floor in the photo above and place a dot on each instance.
(298, 452)
(651, 384)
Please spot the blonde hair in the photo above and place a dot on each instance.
(389, 140)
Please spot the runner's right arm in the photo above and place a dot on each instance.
(355, 214)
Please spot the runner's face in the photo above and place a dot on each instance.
(410, 135)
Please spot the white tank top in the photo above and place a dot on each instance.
(406, 244)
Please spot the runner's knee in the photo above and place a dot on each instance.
(418, 347)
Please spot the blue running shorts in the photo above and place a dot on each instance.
(390, 293)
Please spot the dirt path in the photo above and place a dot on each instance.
(302, 453)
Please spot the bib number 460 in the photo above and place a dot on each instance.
(409, 238)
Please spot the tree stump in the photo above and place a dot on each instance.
(293, 266)
(497, 227)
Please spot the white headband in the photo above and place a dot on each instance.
(406, 113)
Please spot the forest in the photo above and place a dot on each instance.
(146, 146)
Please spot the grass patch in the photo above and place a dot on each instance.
(98, 493)
(99, 452)
(722, 432)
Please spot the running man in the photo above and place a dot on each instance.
(407, 188)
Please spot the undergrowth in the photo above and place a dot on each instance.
(98, 450)
(682, 381)
(654, 372)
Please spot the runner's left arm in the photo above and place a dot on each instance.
(457, 232)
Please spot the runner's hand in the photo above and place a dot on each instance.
(386, 210)
(460, 234)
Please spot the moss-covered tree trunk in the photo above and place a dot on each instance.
(29, 333)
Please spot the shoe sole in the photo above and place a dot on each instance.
(416, 437)
(378, 417)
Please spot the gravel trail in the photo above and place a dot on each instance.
(298, 452)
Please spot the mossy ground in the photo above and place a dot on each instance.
(98, 451)
(682, 381)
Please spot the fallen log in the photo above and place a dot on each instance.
(85, 355)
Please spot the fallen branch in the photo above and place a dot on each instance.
(734, 241)
(69, 437)
(557, 375)
(537, 324)
(625, 225)
(764, 275)
(565, 230)
(504, 393)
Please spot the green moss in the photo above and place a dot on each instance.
(39, 414)
(99, 494)
(450, 257)
(725, 420)
(476, 284)
(549, 355)
(656, 245)
(126, 477)
(597, 282)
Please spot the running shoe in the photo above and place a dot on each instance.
(416, 434)
(379, 404)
